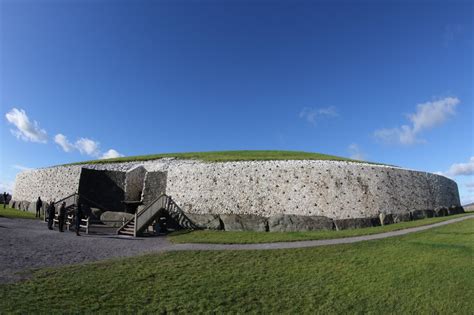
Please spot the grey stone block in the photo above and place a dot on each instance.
(12, 203)
(234, 222)
(108, 218)
(441, 212)
(455, 210)
(344, 224)
(206, 221)
(386, 218)
(291, 223)
(422, 214)
(401, 217)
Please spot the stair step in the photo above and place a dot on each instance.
(128, 229)
(126, 232)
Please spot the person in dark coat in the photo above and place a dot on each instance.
(51, 213)
(78, 218)
(62, 216)
(39, 204)
(5, 195)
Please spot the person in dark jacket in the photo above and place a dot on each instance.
(5, 195)
(39, 204)
(62, 216)
(51, 214)
(78, 218)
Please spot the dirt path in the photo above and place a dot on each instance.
(28, 244)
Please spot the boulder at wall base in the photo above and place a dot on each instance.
(234, 222)
(12, 203)
(95, 213)
(32, 207)
(25, 205)
(455, 210)
(441, 212)
(356, 223)
(385, 218)
(401, 217)
(421, 214)
(293, 223)
(205, 221)
(115, 219)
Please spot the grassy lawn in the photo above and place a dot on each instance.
(14, 213)
(229, 237)
(429, 272)
(227, 156)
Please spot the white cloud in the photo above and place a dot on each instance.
(111, 154)
(21, 167)
(63, 142)
(356, 153)
(313, 114)
(25, 129)
(88, 146)
(462, 168)
(428, 115)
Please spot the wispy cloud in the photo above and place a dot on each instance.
(458, 169)
(24, 128)
(63, 142)
(427, 116)
(312, 115)
(85, 146)
(356, 153)
(111, 154)
(21, 167)
(88, 146)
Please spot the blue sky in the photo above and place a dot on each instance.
(385, 81)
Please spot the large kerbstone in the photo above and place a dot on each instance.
(234, 222)
(356, 223)
(292, 223)
(422, 214)
(108, 218)
(401, 217)
(12, 204)
(441, 212)
(455, 210)
(206, 221)
(385, 218)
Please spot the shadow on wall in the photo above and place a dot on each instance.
(104, 187)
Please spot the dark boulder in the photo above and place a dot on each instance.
(234, 222)
(441, 212)
(401, 217)
(385, 218)
(344, 224)
(206, 221)
(422, 214)
(291, 223)
(455, 210)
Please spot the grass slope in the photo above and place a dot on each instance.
(248, 237)
(422, 273)
(227, 156)
(14, 213)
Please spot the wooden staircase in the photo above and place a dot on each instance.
(145, 217)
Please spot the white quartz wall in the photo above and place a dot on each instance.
(333, 189)
(337, 190)
(48, 183)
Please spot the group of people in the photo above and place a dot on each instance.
(51, 212)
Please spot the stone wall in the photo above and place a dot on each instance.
(338, 190)
(48, 183)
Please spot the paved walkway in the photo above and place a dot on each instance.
(28, 244)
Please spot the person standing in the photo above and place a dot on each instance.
(78, 218)
(5, 195)
(51, 214)
(39, 204)
(62, 216)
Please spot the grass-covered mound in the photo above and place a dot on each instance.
(250, 237)
(15, 214)
(228, 156)
(428, 272)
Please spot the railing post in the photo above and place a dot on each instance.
(135, 226)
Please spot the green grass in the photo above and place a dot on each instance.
(248, 237)
(429, 272)
(14, 213)
(227, 156)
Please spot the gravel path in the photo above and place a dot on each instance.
(28, 244)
